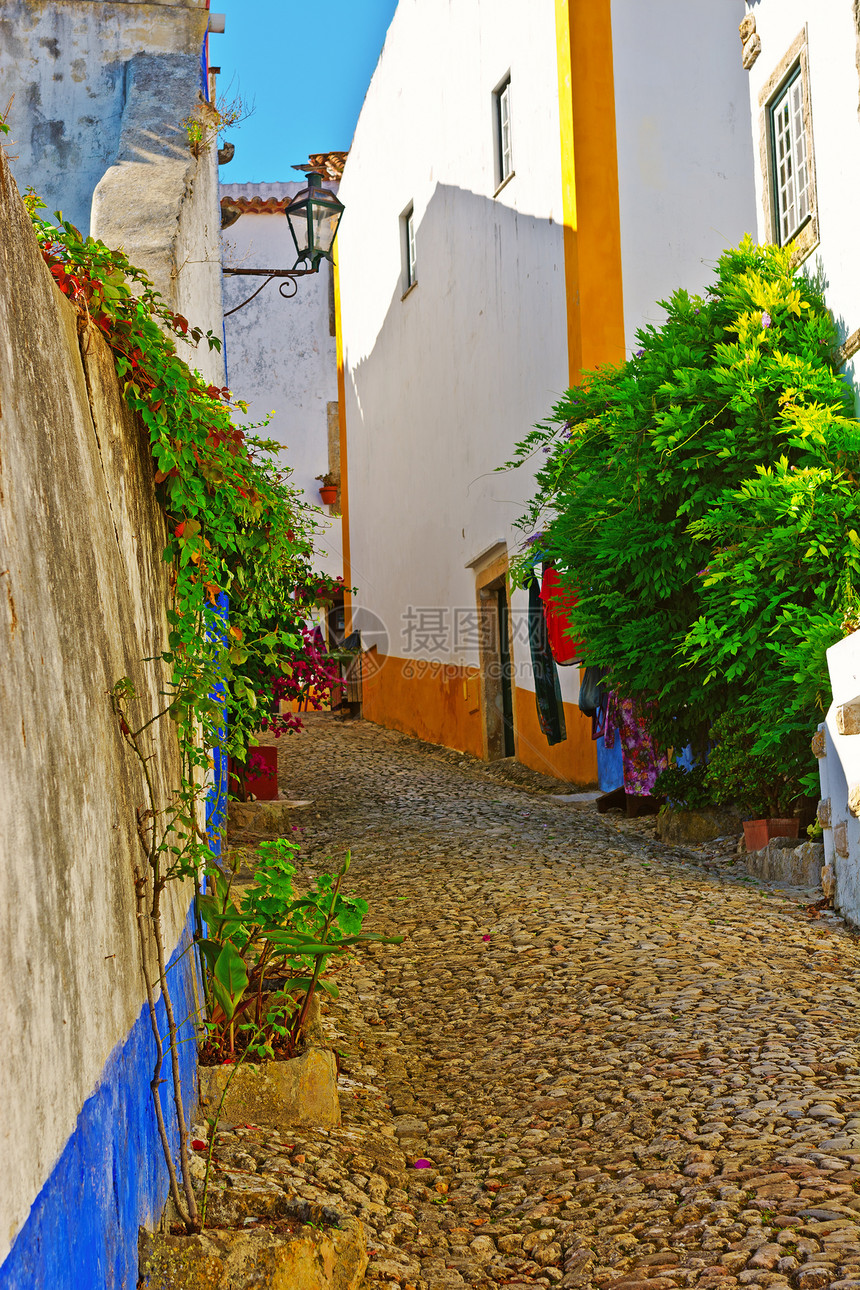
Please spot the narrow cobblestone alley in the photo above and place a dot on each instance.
(622, 1070)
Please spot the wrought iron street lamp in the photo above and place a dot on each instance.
(313, 216)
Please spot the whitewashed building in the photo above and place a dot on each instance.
(801, 60)
(804, 87)
(517, 197)
(280, 347)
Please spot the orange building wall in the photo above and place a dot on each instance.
(437, 703)
(574, 760)
(440, 704)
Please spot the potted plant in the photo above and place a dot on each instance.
(266, 953)
(328, 488)
(257, 777)
(763, 785)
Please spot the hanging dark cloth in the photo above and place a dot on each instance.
(550, 709)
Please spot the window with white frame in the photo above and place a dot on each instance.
(502, 110)
(410, 271)
(787, 152)
(790, 155)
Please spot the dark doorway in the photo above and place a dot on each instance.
(505, 673)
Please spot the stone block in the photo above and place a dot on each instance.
(307, 1259)
(747, 28)
(782, 860)
(263, 817)
(854, 800)
(675, 824)
(751, 51)
(300, 1092)
(253, 1197)
(848, 718)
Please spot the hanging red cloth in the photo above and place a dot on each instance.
(557, 603)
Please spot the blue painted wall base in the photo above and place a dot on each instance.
(81, 1232)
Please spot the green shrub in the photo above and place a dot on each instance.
(701, 501)
(759, 785)
(683, 787)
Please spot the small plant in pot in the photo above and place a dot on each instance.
(329, 484)
(267, 951)
(764, 786)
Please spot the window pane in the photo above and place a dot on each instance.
(503, 132)
(505, 120)
(410, 249)
(799, 141)
(791, 177)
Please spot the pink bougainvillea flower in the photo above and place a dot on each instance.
(422, 1164)
(486, 938)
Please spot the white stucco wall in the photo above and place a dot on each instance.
(685, 153)
(66, 65)
(834, 88)
(440, 384)
(100, 89)
(281, 354)
(84, 604)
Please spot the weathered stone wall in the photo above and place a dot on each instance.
(101, 90)
(83, 595)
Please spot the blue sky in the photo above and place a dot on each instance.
(306, 66)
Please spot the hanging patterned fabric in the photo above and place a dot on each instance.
(642, 760)
(550, 709)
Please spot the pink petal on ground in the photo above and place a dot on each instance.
(422, 1164)
(486, 938)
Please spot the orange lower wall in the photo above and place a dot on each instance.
(574, 760)
(434, 702)
(440, 704)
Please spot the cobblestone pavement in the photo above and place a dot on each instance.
(623, 1069)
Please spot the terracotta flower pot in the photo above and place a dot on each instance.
(757, 833)
(328, 492)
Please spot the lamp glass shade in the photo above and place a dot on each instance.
(313, 217)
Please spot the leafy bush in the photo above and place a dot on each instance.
(759, 785)
(701, 500)
(683, 787)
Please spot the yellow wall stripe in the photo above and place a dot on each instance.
(589, 167)
(344, 470)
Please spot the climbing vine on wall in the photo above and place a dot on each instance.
(236, 528)
(235, 524)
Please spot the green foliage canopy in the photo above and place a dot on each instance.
(701, 500)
